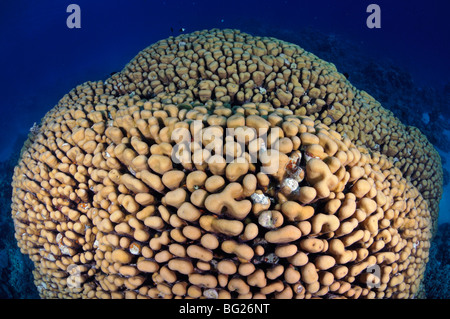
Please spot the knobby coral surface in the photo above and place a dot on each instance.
(328, 195)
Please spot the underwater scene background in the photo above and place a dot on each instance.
(404, 65)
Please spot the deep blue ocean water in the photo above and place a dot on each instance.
(42, 59)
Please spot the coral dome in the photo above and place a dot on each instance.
(218, 164)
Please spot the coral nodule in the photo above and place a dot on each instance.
(218, 164)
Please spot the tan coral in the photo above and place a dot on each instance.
(320, 177)
(228, 199)
(322, 184)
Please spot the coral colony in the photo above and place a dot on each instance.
(135, 186)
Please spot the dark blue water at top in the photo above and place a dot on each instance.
(42, 59)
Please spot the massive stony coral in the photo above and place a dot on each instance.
(110, 201)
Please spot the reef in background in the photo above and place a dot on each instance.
(16, 279)
(437, 275)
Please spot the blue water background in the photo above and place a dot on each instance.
(42, 59)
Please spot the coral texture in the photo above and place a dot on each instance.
(127, 190)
